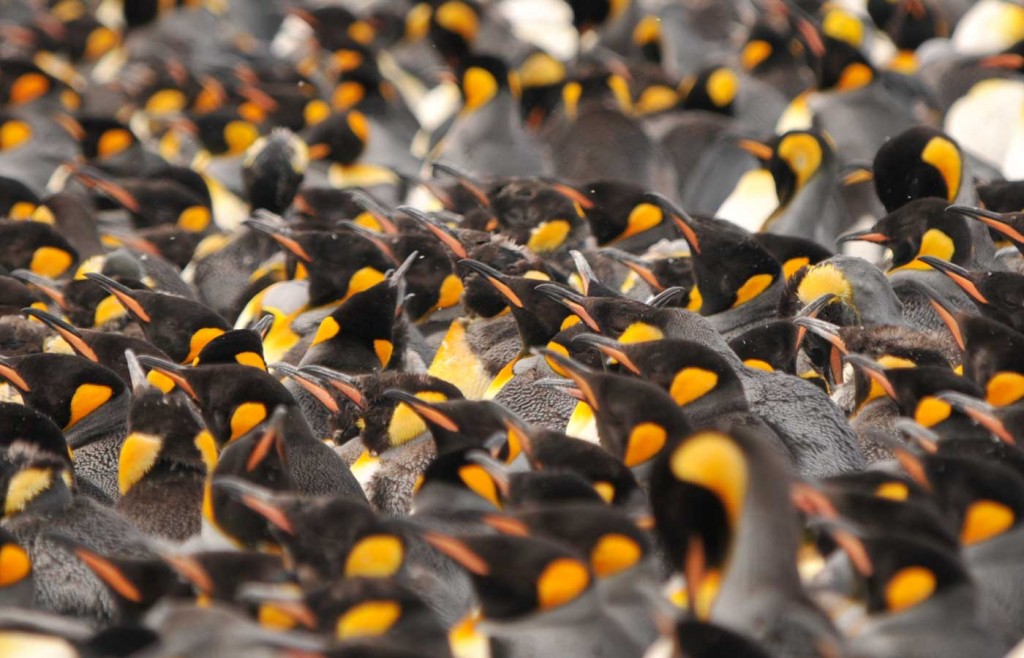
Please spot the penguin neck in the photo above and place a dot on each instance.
(687, 325)
(763, 555)
(107, 420)
(741, 317)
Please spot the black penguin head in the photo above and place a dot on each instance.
(918, 163)
(516, 577)
(83, 389)
(992, 360)
(713, 90)
(797, 157)
(730, 268)
(636, 420)
(23, 425)
(273, 170)
(590, 15)
(36, 247)
(32, 479)
(482, 78)
(339, 137)
(843, 67)
(908, 572)
(234, 399)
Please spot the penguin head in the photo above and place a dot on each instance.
(636, 420)
(613, 542)
(358, 609)
(23, 83)
(84, 391)
(852, 291)
(541, 77)
(998, 294)
(458, 424)
(339, 137)
(921, 228)
(919, 162)
(766, 47)
(242, 346)
(617, 211)
(361, 331)
(1003, 226)
(730, 268)
(699, 494)
(454, 28)
(907, 573)
(482, 78)
(259, 460)
(991, 360)
(36, 247)
(647, 35)
(537, 315)
(226, 133)
(798, 156)
(713, 90)
(106, 138)
(590, 15)
(908, 24)
(689, 371)
(983, 495)
(536, 214)
(517, 577)
(465, 480)
(843, 67)
(388, 423)
(193, 327)
(17, 201)
(273, 170)
(234, 406)
(769, 347)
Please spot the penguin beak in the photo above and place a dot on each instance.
(8, 372)
(458, 551)
(422, 408)
(441, 232)
(69, 333)
(465, 181)
(759, 150)
(579, 374)
(47, 286)
(875, 237)
(370, 205)
(635, 264)
(570, 193)
(830, 333)
(946, 313)
(123, 294)
(993, 220)
(572, 301)
(173, 371)
(311, 384)
(374, 237)
(282, 235)
(493, 277)
(979, 411)
(960, 276)
(340, 381)
(817, 506)
(682, 219)
(257, 499)
(608, 347)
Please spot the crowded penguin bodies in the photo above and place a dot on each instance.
(511, 329)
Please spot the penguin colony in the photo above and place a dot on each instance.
(464, 329)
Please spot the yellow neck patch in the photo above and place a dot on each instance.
(614, 553)
(15, 565)
(691, 384)
(87, 399)
(406, 424)
(752, 288)
(13, 134)
(1004, 388)
(722, 87)
(562, 580)
(245, 417)
(375, 556)
(908, 587)
(754, 53)
(644, 442)
(480, 482)
(931, 411)
(549, 236)
(984, 520)
(640, 332)
(26, 486)
(199, 340)
(933, 243)
(893, 490)
(479, 86)
(368, 619)
(51, 262)
(139, 453)
(643, 217)
(855, 76)
(458, 17)
(802, 152)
